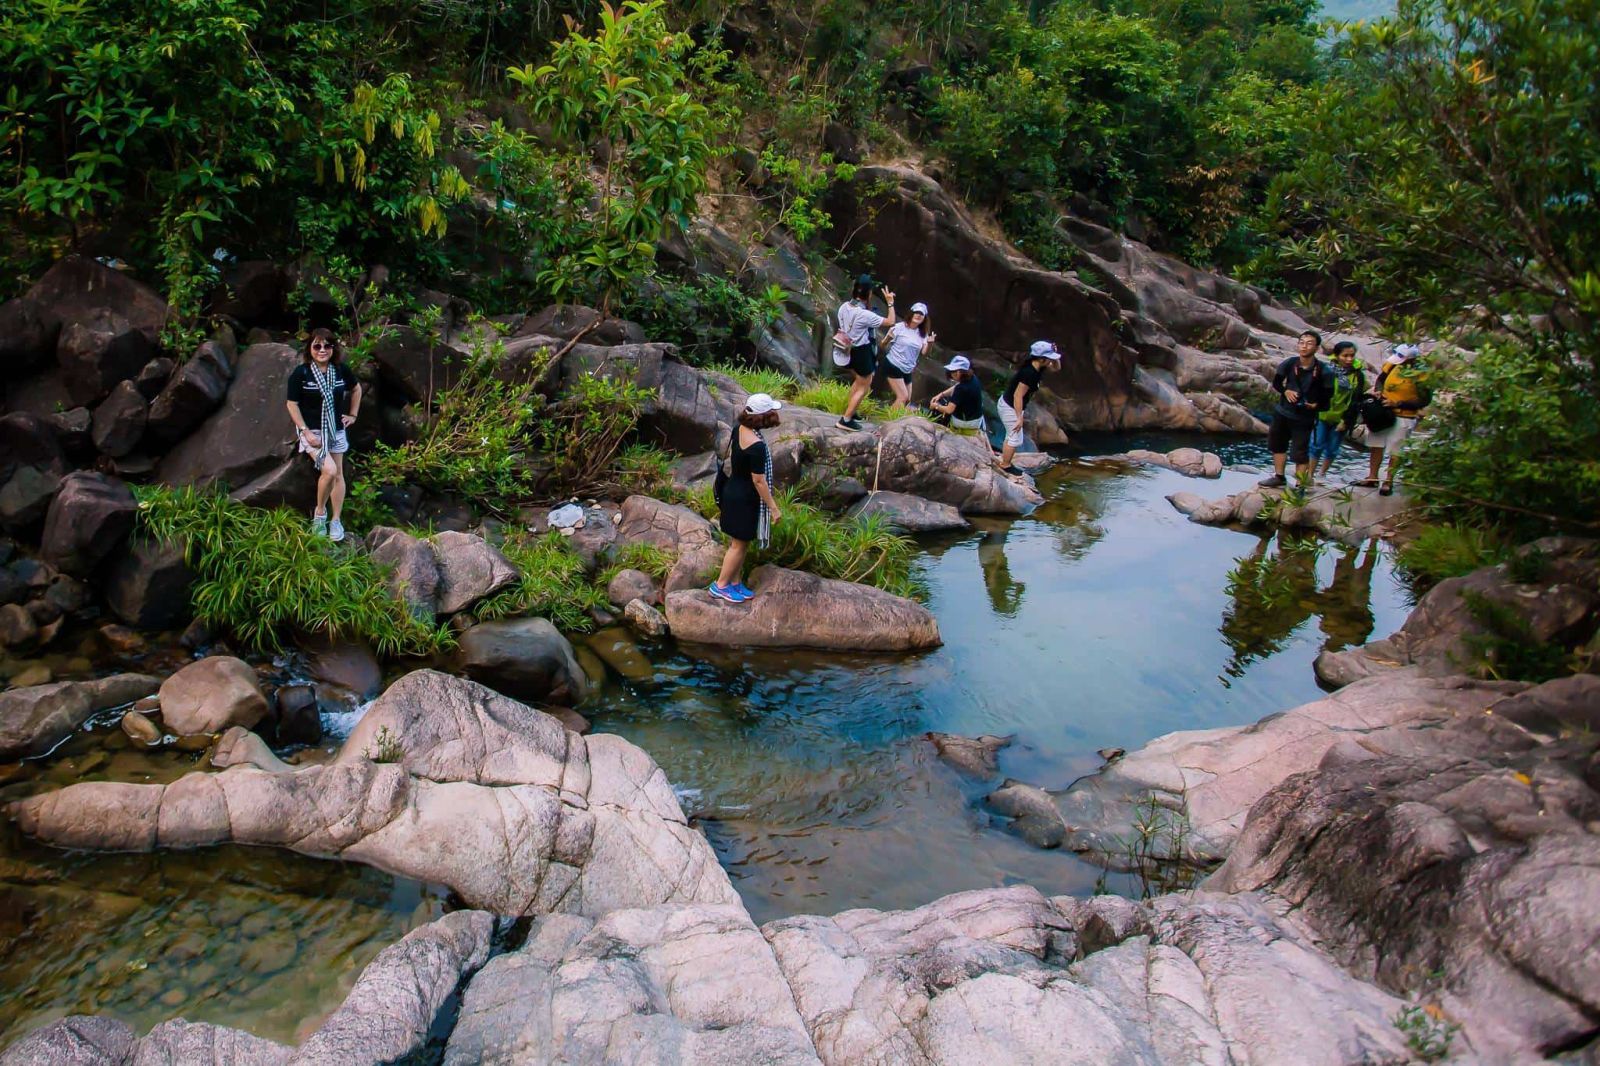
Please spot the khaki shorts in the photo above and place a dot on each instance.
(338, 444)
(1012, 423)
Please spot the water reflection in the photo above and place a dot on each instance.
(1005, 591)
(1275, 589)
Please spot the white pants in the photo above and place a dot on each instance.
(1393, 439)
(1012, 423)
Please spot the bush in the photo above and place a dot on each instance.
(644, 470)
(261, 574)
(868, 550)
(554, 585)
(1507, 649)
(581, 434)
(1445, 551)
(646, 558)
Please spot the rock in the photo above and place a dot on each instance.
(679, 530)
(254, 294)
(76, 1040)
(594, 537)
(27, 340)
(1352, 515)
(569, 719)
(17, 626)
(525, 658)
(911, 513)
(153, 377)
(566, 321)
(978, 756)
(120, 419)
(140, 729)
(1191, 462)
(74, 428)
(345, 663)
(93, 1041)
(630, 585)
(490, 798)
(148, 584)
(120, 640)
(87, 520)
(799, 610)
(397, 1001)
(195, 389)
(614, 647)
(37, 674)
(210, 695)
(34, 720)
(645, 619)
(109, 324)
(299, 716)
(25, 497)
(14, 590)
(469, 569)
(1033, 813)
(249, 437)
(682, 983)
(31, 467)
(417, 366)
(413, 572)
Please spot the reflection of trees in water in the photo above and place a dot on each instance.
(1274, 591)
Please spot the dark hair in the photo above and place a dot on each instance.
(322, 333)
(1342, 345)
(751, 420)
(923, 328)
(862, 290)
(959, 375)
(1314, 335)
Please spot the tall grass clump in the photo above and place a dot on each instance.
(864, 549)
(832, 396)
(262, 574)
(553, 585)
(757, 379)
(1450, 550)
(650, 559)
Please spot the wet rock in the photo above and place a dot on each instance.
(489, 797)
(120, 640)
(413, 571)
(267, 954)
(34, 720)
(615, 648)
(469, 569)
(396, 1002)
(700, 985)
(1352, 515)
(119, 421)
(645, 619)
(140, 729)
(1191, 462)
(148, 584)
(978, 756)
(67, 595)
(1033, 813)
(351, 666)
(526, 658)
(298, 719)
(210, 695)
(569, 719)
(679, 530)
(17, 627)
(194, 390)
(799, 610)
(87, 521)
(109, 324)
(630, 585)
(912, 513)
(27, 677)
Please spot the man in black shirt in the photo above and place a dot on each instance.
(1303, 387)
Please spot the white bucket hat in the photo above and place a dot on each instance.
(759, 403)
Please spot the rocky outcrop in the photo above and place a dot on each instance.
(525, 658)
(911, 513)
(106, 324)
(81, 1040)
(35, 719)
(1352, 515)
(147, 584)
(195, 389)
(679, 530)
(469, 570)
(210, 695)
(1190, 462)
(798, 610)
(413, 572)
(31, 467)
(472, 790)
(87, 520)
(119, 421)
(1552, 586)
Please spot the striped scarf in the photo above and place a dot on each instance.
(764, 527)
(325, 382)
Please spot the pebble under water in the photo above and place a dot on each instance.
(1102, 620)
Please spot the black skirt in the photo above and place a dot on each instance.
(741, 511)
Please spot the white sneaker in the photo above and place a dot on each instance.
(319, 525)
(336, 531)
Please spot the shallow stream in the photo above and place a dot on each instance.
(1102, 620)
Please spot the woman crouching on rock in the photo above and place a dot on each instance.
(748, 509)
(961, 405)
(324, 399)
(1020, 389)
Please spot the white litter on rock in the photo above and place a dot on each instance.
(567, 516)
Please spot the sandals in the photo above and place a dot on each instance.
(1367, 483)
(1387, 490)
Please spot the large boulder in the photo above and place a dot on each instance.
(195, 389)
(910, 513)
(469, 569)
(148, 584)
(31, 467)
(568, 321)
(525, 658)
(1190, 462)
(82, 1040)
(1351, 515)
(677, 529)
(210, 695)
(119, 421)
(416, 365)
(26, 338)
(798, 610)
(443, 781)
(250, 437)
(86, 522)
(34, 720)
(412, 572)
(109, 324)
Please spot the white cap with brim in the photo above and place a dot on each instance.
(960, 362)
(1044, 350)
(919, 308)
(759, 403)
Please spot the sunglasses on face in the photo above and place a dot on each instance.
(321, 346)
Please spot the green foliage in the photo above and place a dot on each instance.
(389, 748)
(706, 316)
(1428, 1037)
(868, 550)
(647, 558)
(1157, 851)
(800, 186)
(553, 585)
(1444, 551)
(263, 574)
(633, 93)
(581, 434)
(644, 470)
(1507, 648)
(774, 383)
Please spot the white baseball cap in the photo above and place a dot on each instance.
(1044, 350)
(919, 308)
(960, 362)
(1407, 351)
(759, 403)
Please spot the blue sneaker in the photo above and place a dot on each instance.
(742, 591)
(724, 593)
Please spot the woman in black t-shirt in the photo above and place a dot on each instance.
(961, 405)
(1019, 390)
(324, 399)
(748, 509)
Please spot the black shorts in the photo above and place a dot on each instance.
(891, 372)
(1291, 436)
(864, 360)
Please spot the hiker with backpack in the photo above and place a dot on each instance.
(1303, 388)
(1349, 384)
(1402, 391)
(853, 343)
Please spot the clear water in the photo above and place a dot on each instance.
(1104, 619)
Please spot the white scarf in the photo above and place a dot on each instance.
(325, 382)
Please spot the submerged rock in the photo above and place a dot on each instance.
(1190, 462)
(525, 658)
(978, 756)
(1350, 514)
(645, 619)
(793, 609)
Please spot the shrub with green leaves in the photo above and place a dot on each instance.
(581, 435)
(866, 549)
(264, 576)
(554, 584)
(752, 379)
(1445, 551)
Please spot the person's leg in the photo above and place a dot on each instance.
(336, 492)
(902, 391)
(1374, 461)
(325, 482)
(858, 392)
(732, 562)
(1300, 449)
(1012, 421)
(1278, 444)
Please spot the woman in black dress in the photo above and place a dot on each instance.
(748, 509)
